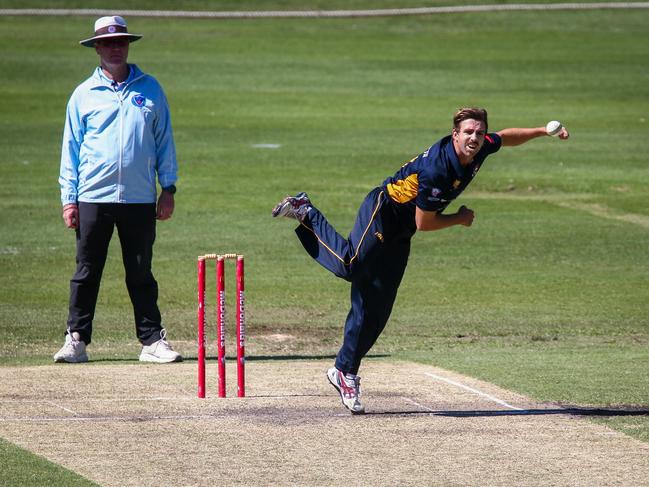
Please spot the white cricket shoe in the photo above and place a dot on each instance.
(295, 207)
(160, 351)
(348, 388)
(73, 350)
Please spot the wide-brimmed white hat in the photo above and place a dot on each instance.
(107, 27)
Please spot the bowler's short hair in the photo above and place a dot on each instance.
(467, 113)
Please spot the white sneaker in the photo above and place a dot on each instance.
(348, 388)
(160, 351)
(73, 350)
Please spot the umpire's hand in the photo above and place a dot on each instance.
(71, 215)
(165, 206)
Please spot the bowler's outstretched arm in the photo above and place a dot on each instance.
(517, 136)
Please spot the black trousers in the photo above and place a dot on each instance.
(136, 226)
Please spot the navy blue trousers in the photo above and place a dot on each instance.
(136, 226)
(373, 258)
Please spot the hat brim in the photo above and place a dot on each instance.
(91, 42)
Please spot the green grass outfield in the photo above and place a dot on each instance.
(546, 294)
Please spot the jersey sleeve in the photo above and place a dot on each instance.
(73, 135)
(166, 163)
(429, 193)
(492, 143)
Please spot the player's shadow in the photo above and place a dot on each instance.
(567, 411)
(262, 358)
(249, 358)
(272, 358)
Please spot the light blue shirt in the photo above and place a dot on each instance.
(117, 139)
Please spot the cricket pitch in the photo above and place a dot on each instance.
(141, 424)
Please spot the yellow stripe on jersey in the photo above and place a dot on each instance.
(404, 190)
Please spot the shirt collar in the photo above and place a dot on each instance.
(106, 81)
(455, 161)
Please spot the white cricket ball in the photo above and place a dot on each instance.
(554, 127)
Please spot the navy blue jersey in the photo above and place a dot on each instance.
(435, 178)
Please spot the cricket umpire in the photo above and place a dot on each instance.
(374, 256)
(117, 143)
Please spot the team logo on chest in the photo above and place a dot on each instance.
(138, 100)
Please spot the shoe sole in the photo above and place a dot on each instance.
(335, 386)
(80, 360)
(158, 360)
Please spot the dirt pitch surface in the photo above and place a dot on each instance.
(137, 424)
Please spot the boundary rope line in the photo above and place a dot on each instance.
(328, 13)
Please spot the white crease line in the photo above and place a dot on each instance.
(419, 405)
(61, 407)
(475, 391)
(107, 399)
(37, 419)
